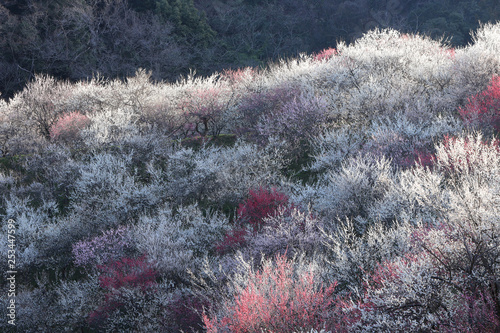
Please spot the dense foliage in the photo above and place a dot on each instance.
(357, 190)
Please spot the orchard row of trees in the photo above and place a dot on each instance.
(77, 39)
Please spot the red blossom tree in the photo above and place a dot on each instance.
(483, 110)
(260, 204)
(116, 276)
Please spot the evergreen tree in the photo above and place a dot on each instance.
(189, 23)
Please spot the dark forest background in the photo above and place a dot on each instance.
(76, 39)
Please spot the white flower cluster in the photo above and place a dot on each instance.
(382, 192)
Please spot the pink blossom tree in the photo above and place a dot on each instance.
(278, 299)
(67, 128)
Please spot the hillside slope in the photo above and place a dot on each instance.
(352, 190)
